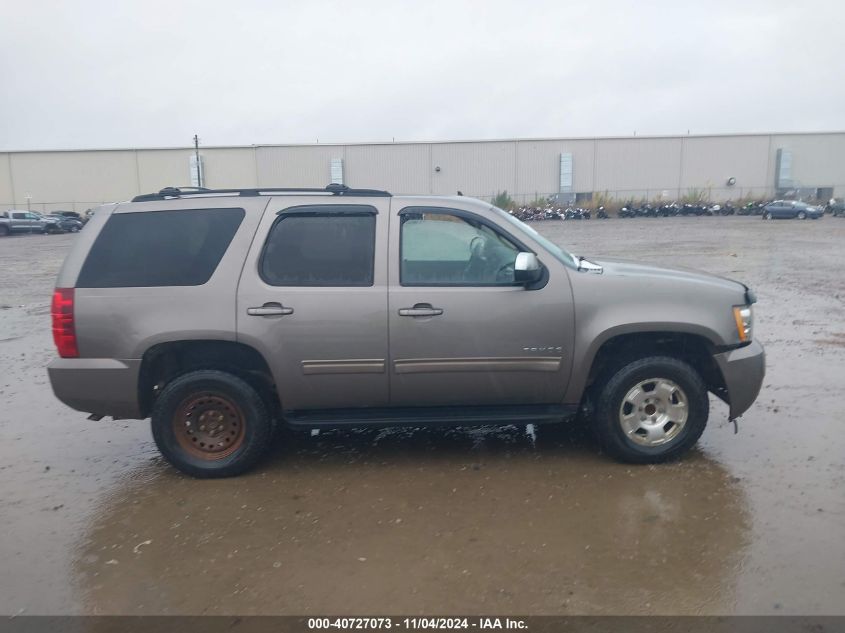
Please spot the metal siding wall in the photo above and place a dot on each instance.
(398, 168)
(223, 168)
(476, 169)
(622, 167)
(708, 162)
(159, 168)
(229, 168)
(80, 176)
(538, 167)
(637, 167)
(818, 160)
(6, 195)
(302, 166)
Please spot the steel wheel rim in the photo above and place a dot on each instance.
(209, 425)
(654, 412)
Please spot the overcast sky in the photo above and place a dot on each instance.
(148, 73)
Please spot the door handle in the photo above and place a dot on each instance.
(269, 309)
(421, 310)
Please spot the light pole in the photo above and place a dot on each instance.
(197, 153)
(28, 199)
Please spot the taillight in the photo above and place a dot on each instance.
(64, 332)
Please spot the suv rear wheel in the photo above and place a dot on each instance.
(211, 423)
(651, 410)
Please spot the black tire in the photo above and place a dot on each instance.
(246, 406)
(606, 419)
(767, 216)
(802, 215)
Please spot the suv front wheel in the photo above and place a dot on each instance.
(651, 410)
(211, 423)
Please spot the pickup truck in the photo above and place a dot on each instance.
(15, 221)
(224, 314)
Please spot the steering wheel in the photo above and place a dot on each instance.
(477, 263)
(476, 246)
(506, 272)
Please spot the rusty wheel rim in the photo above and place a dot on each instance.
(209, 426)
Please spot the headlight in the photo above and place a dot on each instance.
(744, 317)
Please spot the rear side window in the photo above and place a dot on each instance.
(159, 248)
(334, 246)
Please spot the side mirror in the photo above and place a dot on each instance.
(527, 269)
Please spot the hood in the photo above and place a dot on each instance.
(642, 271)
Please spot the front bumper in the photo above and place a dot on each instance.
(104, 386)
(743, 370)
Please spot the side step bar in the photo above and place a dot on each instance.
(430, 416)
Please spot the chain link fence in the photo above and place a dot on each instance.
(615, 198)
(50, 207)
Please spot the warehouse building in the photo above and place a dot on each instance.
(715, 167)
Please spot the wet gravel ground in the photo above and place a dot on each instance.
(461, 521)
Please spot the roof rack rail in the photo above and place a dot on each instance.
(334, 189)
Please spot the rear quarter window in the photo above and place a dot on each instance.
(327, 245)
(159, 248)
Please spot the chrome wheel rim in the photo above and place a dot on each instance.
(654, 412)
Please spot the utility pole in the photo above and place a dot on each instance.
(197, 152)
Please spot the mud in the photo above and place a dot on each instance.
(515, 520)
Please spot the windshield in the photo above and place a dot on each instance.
(563, 256)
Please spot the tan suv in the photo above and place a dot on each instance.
(220, 314)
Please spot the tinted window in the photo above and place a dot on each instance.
(444, 249)
(19, 216)
(334, 247)
(159, 248)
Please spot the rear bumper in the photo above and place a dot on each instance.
(97, 385)
(743, 370)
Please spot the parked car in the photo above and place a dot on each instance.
(68, 223)
(341, 307)
(17, 221)
(51, 223)
(837, 209)
(780, 209)
(73, 215)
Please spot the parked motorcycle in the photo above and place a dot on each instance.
(626, 212)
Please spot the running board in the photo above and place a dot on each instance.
(430, 416)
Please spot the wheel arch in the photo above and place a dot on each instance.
(616, 346)
(163, 362)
